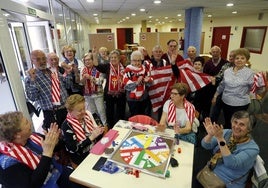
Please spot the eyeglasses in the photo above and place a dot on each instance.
(173, 46)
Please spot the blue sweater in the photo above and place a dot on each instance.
(237, 164)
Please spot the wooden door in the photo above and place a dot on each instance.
(124, 36)
(221, 37)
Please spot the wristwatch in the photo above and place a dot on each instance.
(222, 143)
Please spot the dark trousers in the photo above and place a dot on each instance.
(115, 109)
(51, 116)
(216, 109)
(137, 107)
(228, 111)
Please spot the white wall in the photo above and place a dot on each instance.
(259, 61)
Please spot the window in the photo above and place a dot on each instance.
(253, 38)
(104, 30)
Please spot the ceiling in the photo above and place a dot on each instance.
(114, 11)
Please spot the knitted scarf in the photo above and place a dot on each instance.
(22, 153)
(189, 108)
(116, 79)
(77, 127)
(131, 75)
(90, 86)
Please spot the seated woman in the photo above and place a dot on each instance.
(27, 158)
(179, 114)
(79, 129)
(234, 150)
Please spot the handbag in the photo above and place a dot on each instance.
(208, 179)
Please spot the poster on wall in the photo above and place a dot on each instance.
(109, 38)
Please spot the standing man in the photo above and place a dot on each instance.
(47, 87)
(212, 67)
(172, 49)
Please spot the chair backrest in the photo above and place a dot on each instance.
(143, 119)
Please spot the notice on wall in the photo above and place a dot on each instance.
(143, 36)
(109, 38)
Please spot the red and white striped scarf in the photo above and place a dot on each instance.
(77, 127)
(22, 153)
(259, 81)
(55, 88)
(90, 87)
(116, 79)
(131, 75)
(189, 108)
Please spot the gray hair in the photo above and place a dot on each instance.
(136, 53)
(242, 114)
(156, 47)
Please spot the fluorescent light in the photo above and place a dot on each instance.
(157, 1)
(142, 9)
(90, 1)
(234, 12)
(229, 4)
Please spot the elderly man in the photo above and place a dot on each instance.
(47, 87)
(191, 53)
(212, 67)
(156, 59)
(172, 50)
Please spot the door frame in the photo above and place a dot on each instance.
(8, 51)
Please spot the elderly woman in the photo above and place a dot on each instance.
(234, 150)
(179, 114)
(114, 93)
(136, 78)
(73, 64)
(79, 129)
(92, 80)
(26, 157)
(235, 86)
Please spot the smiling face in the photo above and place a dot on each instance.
(78, 111)
(175, 97)
(240, 127)
(39, 59)
(69, 54)
(136, 59)
(198, 66)
(53, 60)
(114, 58)
(88, 61)
(240, 61)
(191, 52)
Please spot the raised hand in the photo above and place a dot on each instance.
(51, 139)
(32, 73)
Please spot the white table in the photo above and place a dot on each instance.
(180, 176)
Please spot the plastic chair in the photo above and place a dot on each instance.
(143, 119)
